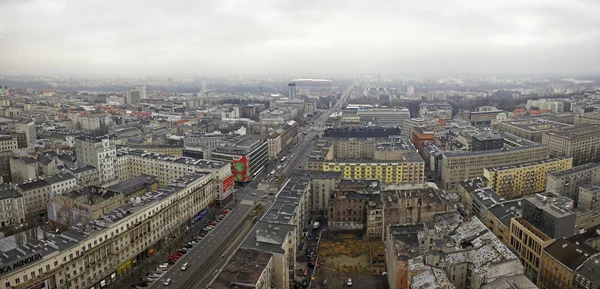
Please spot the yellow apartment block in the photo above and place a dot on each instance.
(529, 243)
(396, 172)
(524, 179)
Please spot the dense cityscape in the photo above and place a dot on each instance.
(363, 181)
(284, 144)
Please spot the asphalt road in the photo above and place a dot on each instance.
(197, 255)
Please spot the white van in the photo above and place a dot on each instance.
(164, 266)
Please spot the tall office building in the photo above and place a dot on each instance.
(135, 95)
(204, 85)
(292, 90)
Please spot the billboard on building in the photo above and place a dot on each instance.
(241, 169)
(227, 184)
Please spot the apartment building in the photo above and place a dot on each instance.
(580, 142)
(449, 252)
(560, 261)
(274, 145)
(12, 206)
(292, 206)
(279, 241)
(203, 140)
(587, 118)
(376, 132)
(546, 104)
(323, 186)
(23, 168)
(35, 195)
(60, 183)
(524, 179)
(99, 152)
(27, 132)
(420, 137)
(131, 163)
(86, 175)
(566, 183)
(391, 163)
(248, 267)
(8, 143)
(588, 196)
(457, 165)
(92, 202)
(531, 128)
(164, 149)
(98, 252)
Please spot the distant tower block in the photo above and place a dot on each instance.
(292, 90)
(204, 85)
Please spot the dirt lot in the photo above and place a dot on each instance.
(347, 252)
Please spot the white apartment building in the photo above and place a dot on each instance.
(96, 254)
(99, 152)
(60, 183)
(12, 207)
(131, 163)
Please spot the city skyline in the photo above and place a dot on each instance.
(292, 37)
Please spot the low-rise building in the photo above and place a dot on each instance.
(61, 183)
(35, 195)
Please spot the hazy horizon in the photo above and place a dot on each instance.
(193, 38)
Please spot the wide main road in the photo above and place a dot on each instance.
(200, 253)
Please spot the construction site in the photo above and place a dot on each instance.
(343, 255)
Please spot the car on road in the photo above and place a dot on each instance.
(349, 282)
(253, 194)
(168, 281)
(184, 267)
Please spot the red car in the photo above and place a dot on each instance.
(212, 223)
(175, 257)
(225, 212)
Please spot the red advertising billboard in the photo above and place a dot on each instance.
(227, 183)
(241, 169)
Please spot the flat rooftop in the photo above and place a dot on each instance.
(536, 124)
(525, 164)
(575, 170)
(134, 184)
(199, 163)
(245, 267)
(267, 237)
(555, 205)
(577, 132)
(460, 154)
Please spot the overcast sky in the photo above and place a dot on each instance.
(311, 37)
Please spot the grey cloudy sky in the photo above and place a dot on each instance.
(313, 37)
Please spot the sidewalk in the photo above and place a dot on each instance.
(150, 264)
